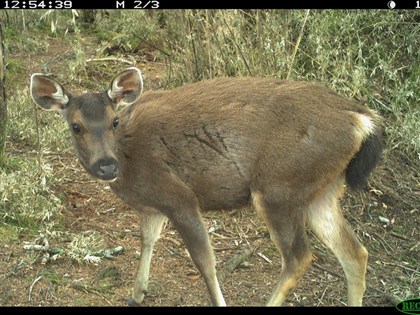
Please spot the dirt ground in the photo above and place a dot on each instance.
(393, 269)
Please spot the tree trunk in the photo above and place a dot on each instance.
(3, 107)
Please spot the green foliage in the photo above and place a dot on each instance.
(85, 246)
(26, 199)
(368, 55)
(14, 69)
(31, 127)
(8, 233)
(117, 37)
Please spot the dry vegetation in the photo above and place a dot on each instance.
(61, 233)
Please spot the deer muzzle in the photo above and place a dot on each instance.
(105, 169)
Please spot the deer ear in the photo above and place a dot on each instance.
(48, 93)
(126, 87)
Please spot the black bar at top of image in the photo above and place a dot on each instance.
(211, 4)
(255, 4)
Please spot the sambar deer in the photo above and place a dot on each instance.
(288, 147)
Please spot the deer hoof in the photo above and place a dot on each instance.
(132, 302)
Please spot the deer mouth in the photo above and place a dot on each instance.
(109, 181)
(104, 171)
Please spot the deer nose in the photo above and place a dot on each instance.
(106, 169)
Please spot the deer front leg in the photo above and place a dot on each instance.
(190, 226)
(151, 227)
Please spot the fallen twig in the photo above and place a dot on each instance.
(221, 249)
(414, 247)
(265, 258)
(401, 266)
(316, 265)
(322, 296)
(32, 286)
(383, 243)
(110, 59)
(400, 236)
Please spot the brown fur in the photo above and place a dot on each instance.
(214, 144)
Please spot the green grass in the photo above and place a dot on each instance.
(29, 200)
(368, 55)
(51, 132)
(54, 277)
(26, 198)
(8, 233)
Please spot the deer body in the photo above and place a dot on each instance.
(286, 147)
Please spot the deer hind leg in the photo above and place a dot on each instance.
(327, 222)
(287, 231)
(151, 227)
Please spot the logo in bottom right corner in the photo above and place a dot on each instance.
(410, 306)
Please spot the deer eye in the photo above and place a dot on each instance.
(75, 128)
(115, 122)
